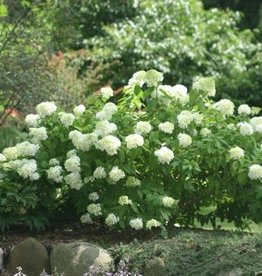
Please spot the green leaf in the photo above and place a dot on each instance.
(242, 178)
(137, 90)
(3, 10)
(134, 208)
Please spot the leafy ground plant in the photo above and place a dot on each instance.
(160, 156)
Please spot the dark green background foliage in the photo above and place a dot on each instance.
(252, 10)
(10, 136)
(73, 21)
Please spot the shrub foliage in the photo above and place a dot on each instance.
(160, 156)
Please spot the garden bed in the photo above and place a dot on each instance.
(183, 251)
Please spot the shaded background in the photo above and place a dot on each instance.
(65, 50)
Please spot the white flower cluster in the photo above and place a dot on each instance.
(184, 140)
(39, 134)
(124, 200)
(244, 109)
(67, 119)
(184, 119)
(111, 219)
(206, 86)
(134, 140)
(32, 120)
(231, 127)
(93, 196)
(236, 153)
(99, 173)
(109, 143)
(143, 128)
(46, 109)
(205, 132)
(168, 201)
(86, 218)
(104, 128)
(116, 174)
(94, 209)
(107, 112)
(106, 93)
(197, 118)
(89, 179)
(83, 141)
(26, 168)
(255, 110)
(136, 223)
(151, 78)
(74, 180)
(54, 173)
(10, 153)
(161, 94)
(133, 181)
(180, 94)
(79, 110)
(226, 107)
(138, 78)
(166, 92)
(166, 127)
(53, 162)
(256, 123)
(164, 155)
(152, 223)
(24, 149)
(2, 158)
(255, 172)
(245, 129)
(72, 164)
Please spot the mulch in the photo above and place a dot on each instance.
(71, 232)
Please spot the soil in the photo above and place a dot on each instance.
(72, 232)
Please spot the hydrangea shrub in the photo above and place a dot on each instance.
(161, 155)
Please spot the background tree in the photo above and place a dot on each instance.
(26, 78)
(252, 10)
(182, 40)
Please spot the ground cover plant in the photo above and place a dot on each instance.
(196, 252)
(161, 155)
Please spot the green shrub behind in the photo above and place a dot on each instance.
(182, 40)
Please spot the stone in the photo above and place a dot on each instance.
(31, 256)
(234, 272)
(1, 258)
(76, 258)
(155, 267)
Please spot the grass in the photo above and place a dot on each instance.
(253, 227)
